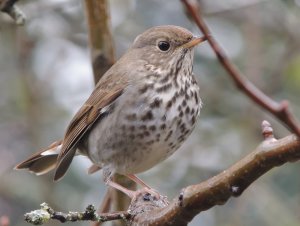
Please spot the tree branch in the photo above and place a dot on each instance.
(100, 36)
(43, 215)
(8, 6)
(280, 110)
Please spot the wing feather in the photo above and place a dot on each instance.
(102, 96)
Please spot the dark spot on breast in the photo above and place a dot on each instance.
(169, 104)
(143, 127)
(187, 110)
(173, 146)
(153, 75)
(146, 133)
(184, 103)
(132, 128)
(163, 126)
(181, 114)
(150, 142)
(140, 135)
(196, 98)
(186, 132)
(182, 128)
(181, 92)
(131, 117)
(169, 135)
(179, 122)
(181, 138)
(131, 136)
(156, 103)
(145, 88)
(187, 97)
(147, 116)
(165, 79)
(192, 111)
(193, 120)
(164, 118)
(164, 88)
(152, 128)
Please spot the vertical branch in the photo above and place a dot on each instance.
(100, 36)
(102, 54)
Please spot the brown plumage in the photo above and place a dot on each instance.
(139, 113)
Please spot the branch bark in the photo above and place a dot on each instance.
(280, 110)
(43, 215)
(100, 36)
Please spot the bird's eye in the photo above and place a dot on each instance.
(163, 45)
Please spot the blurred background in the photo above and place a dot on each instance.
(45, 75)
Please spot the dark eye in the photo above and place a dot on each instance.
(164, 45)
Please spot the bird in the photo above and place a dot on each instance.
(140, 112)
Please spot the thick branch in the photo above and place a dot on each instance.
(8, 6)
(279, 110)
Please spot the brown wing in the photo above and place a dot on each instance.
(104, 94)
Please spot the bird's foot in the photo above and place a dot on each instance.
(145, 200)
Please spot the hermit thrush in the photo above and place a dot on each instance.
(140, 112)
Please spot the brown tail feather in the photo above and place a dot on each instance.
(63, 165)
(43, 161)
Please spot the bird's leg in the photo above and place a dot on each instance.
(138, 181)
(107, 177)
(146, 187)
(119, 187)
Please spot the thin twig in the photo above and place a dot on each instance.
(279, 110)
(8, 6)
(43, 215)
(105, 205)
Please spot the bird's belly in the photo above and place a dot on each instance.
(143, 133)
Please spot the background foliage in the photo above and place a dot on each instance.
(45, 75)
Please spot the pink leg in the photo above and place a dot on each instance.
(130, 193)
(121, 188)
(138, 180)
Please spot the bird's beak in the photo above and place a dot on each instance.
(195, 41)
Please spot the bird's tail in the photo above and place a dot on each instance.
(43, 161)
